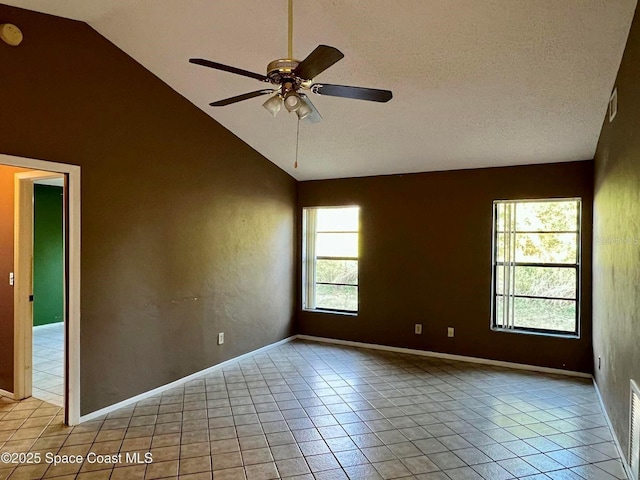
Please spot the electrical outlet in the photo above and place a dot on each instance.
(220, 338)
(450, 332)
(418, 329)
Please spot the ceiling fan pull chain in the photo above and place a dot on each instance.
(295, 165)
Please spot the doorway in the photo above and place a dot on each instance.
(48, 290)
(39, 350)
(25, 364)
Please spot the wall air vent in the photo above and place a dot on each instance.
(634, 432)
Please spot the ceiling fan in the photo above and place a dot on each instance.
(291, 78)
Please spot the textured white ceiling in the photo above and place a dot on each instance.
(476, 83)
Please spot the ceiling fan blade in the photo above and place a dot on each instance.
(227, 68)
(239, 98)
(318, 61)
(314, 116)
(359, 93)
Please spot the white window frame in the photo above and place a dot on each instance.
(507, 324)
(309, 259)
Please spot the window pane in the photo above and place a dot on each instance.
(337, 297)
(499, 279)
(337, 219)
(499, 305)
(546, 247)
(557, 315)
(547, 216)
(500, 247)
(545, 282)
(337, 245)
(337, 271)
(500, 211)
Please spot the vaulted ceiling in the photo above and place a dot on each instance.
(476, 83)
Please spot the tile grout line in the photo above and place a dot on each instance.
(322, 381)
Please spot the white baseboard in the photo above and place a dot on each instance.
(177, 383)
(623, 455)
(447, 356)
(4, 393)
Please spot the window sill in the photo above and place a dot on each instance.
(331, 312)
(568, 336)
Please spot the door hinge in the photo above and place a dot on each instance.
(31, 298)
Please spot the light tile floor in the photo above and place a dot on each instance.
(314, 411)
(48, 363)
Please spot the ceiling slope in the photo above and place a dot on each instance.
(475, 83)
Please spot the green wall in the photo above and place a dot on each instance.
(48, 256)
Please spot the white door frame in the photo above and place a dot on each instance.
(22, 344)
(23, 280)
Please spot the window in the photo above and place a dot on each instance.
(536, 266)
(330, 259)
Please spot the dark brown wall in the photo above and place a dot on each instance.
(425, 249)
(186, 231)
(616, 247)
(7, 177)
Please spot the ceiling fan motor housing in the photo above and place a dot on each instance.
(281, 70)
